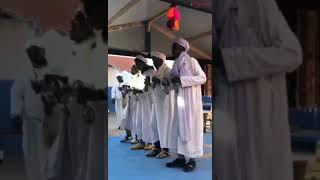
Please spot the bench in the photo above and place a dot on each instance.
(207, 112)
(305, 128)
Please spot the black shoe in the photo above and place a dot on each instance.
(177, 163)
(127, 139)
(119, 127)
(188, 167)
(153, 153)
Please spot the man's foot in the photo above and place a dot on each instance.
(188, 167)
(134, 141)
(163, 154)
(153, 153)
(176, 163)
(138, 146)
(119, 127)
(127, 139)
(148, 147)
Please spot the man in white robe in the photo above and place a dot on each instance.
(27, 106)
(145, 104)
(117, 98)
(188, 76)
(162, 114)
(81, 148)
(255, 49)
(136, 86)
(130, 110)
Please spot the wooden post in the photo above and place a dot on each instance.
(147, 39)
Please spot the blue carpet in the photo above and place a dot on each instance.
(126, 164)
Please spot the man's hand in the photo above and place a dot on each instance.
(176, 80)
(147, 81)
(165, 82)
(155, 80)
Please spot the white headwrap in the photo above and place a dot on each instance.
(148, 62)
(182, 42)
(158, 55)
(175, 71)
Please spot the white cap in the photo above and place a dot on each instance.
(148, 62)
(158, 55)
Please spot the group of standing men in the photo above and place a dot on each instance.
(164, 108)
(62, 108)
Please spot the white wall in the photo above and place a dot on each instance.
(13, 37)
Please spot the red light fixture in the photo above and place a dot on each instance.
(173, 18)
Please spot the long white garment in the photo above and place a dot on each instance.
(129, 113)
(252, 138)
(94, 166)
(96, 151)
(117, 95)
(163, 110)
(147, 106)
(79, 144)
(137, 83)
(188, 108)
(26, 103)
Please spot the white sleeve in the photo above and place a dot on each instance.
(280, 54)
(17, 97)
(198, 78)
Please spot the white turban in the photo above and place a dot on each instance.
(182, 42)
(158, 55)
(148, 62)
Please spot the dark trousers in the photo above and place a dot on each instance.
(157, 145)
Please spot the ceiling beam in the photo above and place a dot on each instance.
(156, 18)
(199, 36)
(173, 36)
(123, 52)
(123, 11)
(126, 26)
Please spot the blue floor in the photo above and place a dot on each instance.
(126, 164)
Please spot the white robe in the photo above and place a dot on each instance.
(81, 144)
(117, 95)
(188, 109)
(26, 103)
(252, 138)
(129, 113)
(137, 83)
(163, 113)
(145, 104)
